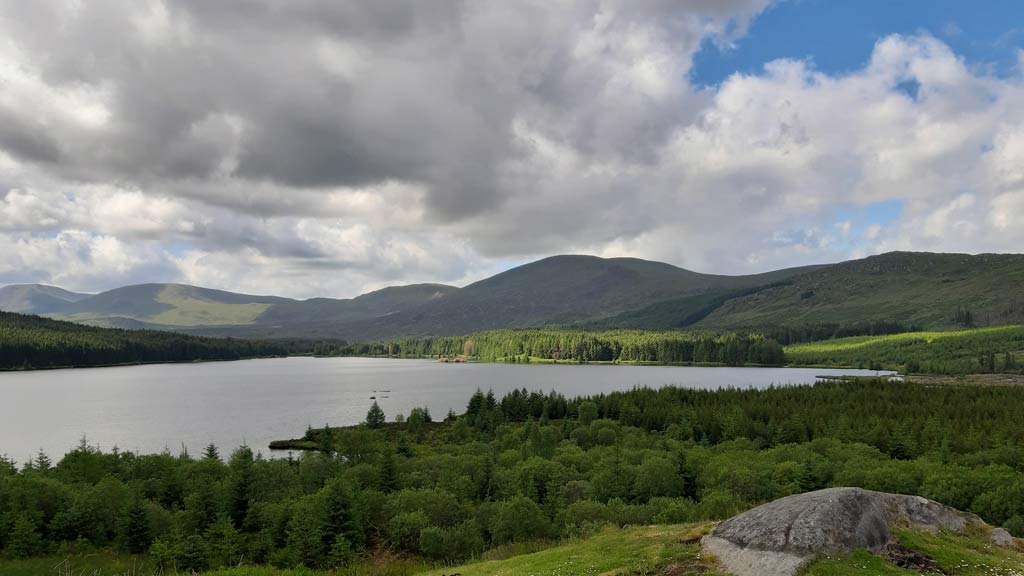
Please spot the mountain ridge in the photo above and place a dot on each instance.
(931, 290)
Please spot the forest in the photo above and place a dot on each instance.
(579, 346)
(28, 342)
(400, 493)
(976, 351)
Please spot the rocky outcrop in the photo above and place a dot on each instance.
(776, 539)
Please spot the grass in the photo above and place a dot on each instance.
(968, 554)
(625, 551)
(858, 563)
(941, 352)
(96, 564)
(971, 554)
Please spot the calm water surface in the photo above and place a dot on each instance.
(149, 408)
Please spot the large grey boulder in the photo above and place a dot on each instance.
(777, 538)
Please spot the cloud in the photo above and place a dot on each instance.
(326, 148)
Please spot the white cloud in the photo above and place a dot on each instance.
(355, 146)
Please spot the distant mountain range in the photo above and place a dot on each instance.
(923, 289)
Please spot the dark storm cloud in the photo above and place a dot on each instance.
(313, 94)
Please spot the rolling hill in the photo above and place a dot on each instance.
(930, 291)
(922, 289)
(36, 298)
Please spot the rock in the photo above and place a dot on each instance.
(777, 538)
(1000, 537)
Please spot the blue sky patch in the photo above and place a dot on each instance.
(838, 36)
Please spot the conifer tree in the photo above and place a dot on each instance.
(375, 416)
(136, 532)
(211, 452)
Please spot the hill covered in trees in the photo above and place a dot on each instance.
(35, 342)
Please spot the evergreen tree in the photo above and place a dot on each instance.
(24, 540)
(211, 452)
(136, 532)
(305, 538)
(42, 462)
(240, 482)
(375, 416)
(223, 543)
(327, 441)
(192, 556)
(388, 471)
(343, 518)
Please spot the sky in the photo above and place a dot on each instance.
(328, 148)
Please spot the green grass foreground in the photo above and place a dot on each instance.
(637, 550)
(969, 554)
(996, 349)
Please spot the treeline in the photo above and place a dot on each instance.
(787, 335)
(981, 350)
(35, 342)
(528, 466)
(578, 346)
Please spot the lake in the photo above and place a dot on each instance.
(149, 408)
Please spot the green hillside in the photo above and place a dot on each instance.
(927, 290)
(561, 290)
(997, 349)
(897, 290)
(169, 305)
(36, 298)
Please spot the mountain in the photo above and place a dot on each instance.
(920, 289)
(167, 305)
(36, 298)
(560, 290)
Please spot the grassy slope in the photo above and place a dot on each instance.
(638, 550)
(930, 349)
(170, 305)
(913, 288)
(36, 298)
(963, 555)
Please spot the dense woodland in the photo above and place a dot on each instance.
(579, 346)
(35, 342)
(523, 468)
(796, 334)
